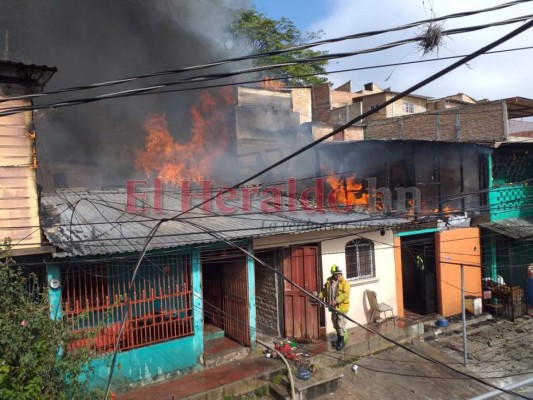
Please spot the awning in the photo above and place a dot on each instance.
(519, 107)
(516, 228)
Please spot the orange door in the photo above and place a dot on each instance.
(300, 264)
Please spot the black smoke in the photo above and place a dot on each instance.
(100, 40)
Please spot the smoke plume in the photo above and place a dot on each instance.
(101, 40)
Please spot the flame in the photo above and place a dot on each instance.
(446, 209)
(430, 210)
(410, 207)
(173, 161)
(348, 192)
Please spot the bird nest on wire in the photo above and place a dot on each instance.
(431, 38)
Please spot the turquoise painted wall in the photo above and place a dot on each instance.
(251, 296)
(163, 360)
(54, 272)
(510, 202)
(416, 232)
(151, 363)
(148, 364)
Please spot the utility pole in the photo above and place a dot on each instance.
(465, 351)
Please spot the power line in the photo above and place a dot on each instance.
(215, 76)
(273, 52)
(364, 115)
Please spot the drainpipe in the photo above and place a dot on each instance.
(289, 371)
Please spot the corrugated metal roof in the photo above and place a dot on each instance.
(516, 228)
(93, 223)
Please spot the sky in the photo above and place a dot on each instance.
(101, 40)
(491, 76)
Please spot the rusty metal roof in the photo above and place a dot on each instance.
(93, 223)
(515, 228)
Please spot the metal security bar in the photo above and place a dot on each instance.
(95, 297)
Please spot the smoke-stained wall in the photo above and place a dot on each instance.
(100, 40)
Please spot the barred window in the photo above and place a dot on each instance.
(360, 259)
(97, 295)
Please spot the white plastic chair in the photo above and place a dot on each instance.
(378, 308)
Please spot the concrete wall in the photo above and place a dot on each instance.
(384, 283)
(453, 248)
(332, 244)
(399, 276)
(302, 103)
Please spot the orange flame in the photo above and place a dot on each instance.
(348, 192)
(173, 161)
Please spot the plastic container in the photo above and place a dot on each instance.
(303, 373)
(442, 322)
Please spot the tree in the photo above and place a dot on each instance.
(263, 34)
(33, 362)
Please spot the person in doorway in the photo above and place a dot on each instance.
(336, 293)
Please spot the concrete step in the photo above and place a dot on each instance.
(226, 357)
(320, 383)
(370, 345)
(246, 387)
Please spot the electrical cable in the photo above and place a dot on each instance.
(503, 39)
(332, 309)
(209, 77)
(274, 52)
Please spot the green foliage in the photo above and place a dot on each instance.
(261, 392)
(263, 34)
(33, 360)
(278, 379)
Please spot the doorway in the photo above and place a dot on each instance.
(225, 295)
(419, 274)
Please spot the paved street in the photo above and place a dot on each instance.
(500, 351)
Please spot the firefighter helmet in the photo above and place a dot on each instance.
(335, 269)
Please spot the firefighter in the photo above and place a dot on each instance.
(336, 293)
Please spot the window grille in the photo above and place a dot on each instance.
(360, 259)
(95, 297)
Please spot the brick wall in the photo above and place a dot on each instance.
(321, 103)
(351, 133)
(340, 98)
(473, 123)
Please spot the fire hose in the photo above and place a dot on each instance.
(289, 371)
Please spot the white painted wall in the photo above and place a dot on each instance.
(384, 284)
(332, 252)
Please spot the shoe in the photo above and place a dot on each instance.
(340, 345)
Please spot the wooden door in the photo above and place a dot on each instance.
(235, 302)
(300, 264)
